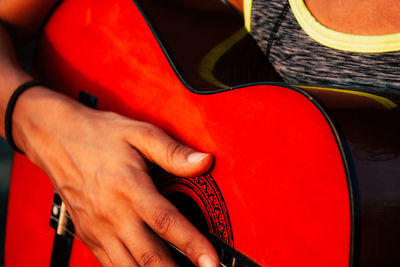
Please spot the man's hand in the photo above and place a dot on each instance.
(95, 161)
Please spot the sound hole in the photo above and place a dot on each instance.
(188, 207)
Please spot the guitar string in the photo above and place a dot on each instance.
(75, 236)
(68, 231)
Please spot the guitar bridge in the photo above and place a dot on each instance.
(60, 220)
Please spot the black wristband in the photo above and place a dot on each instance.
(9, 111)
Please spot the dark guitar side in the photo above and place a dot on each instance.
(304, 176)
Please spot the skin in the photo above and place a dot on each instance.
(114, 205)
(360, 17)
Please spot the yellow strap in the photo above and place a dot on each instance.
(207, 64)
(247, 14)
(387, 103)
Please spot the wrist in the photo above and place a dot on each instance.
(10, 109)
(37, 114)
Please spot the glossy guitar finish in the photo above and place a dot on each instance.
(288, 165)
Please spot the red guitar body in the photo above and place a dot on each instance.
(281, 178)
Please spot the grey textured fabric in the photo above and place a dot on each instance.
(301, 60)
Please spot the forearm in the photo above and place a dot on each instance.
(33, 106)
(19, 21)
(11, 74)
(95, 161)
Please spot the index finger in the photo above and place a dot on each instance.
(161, 216)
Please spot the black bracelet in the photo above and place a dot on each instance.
(9, 111)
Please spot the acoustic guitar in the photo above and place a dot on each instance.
(303, 176)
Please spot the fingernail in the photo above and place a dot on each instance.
(196, 157)
(205, 261)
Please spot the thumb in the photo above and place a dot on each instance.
(169, 154)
